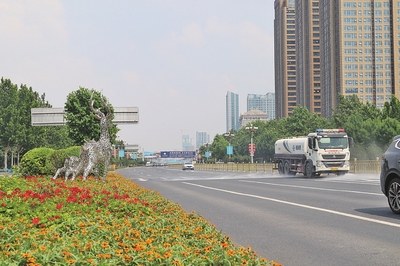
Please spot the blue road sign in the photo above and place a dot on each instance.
(178, 154)
(229, 150)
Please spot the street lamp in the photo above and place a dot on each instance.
(229, 151)
(251, 128)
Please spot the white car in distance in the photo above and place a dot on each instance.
(188, 166)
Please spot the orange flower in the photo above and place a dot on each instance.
(138, 248)
(31, 260)
(167, 255)
(230, 252)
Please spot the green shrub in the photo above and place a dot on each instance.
(57, 158)
(73, 151)
(37, 162)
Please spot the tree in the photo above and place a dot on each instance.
(17, 135)
(391, 109)
(8, 112)
(80, 120)
(219, 147)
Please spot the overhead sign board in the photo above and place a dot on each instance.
(178, 154)
(55, 116)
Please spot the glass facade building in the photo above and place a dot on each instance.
(262, 102)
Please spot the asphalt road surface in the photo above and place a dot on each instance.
(328, 220)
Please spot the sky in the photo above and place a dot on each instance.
(173, 59)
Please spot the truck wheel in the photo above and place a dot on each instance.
(394, 195)
(286, 168)
(280, 167)
(309, 170)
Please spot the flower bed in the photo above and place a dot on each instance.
(47, 222)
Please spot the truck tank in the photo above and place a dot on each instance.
(291, 146)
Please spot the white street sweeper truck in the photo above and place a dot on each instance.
(325, 151)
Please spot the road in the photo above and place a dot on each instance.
(328, 220)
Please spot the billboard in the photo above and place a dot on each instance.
(178, 154)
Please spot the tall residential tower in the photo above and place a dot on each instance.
(328, 48)
(232, 111)
(285, 58)
(359, 51)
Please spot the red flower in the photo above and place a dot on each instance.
(59, 206)
(36, 220)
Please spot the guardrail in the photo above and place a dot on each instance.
(356, 166)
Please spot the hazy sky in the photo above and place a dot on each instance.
(174, 59)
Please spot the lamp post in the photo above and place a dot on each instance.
(252, 149)
(229, 135)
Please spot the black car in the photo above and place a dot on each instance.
(390, 175)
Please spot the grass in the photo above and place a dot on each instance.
(47, 222)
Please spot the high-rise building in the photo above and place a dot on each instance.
(201, 139)
(232, 111)
(187, 143)
(308, 52)
(262, 102)
(256, 102)
(270, 105)
(285, 58)
(327, 48)
(359, 51)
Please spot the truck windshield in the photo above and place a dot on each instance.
(332, 143)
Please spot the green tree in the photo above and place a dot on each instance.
(17, 135)
(8, 112)
(81, 122)
(391, 109)
(218, 148)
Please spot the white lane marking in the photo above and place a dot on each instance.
(142, 179)
(299, 205)
(315, 188)
(362, 182)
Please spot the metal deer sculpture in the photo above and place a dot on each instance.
(70, 164)
(94, 153)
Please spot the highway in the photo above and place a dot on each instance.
(328, 220)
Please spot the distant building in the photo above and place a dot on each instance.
(186, 143)
(262, 102)
(251, 116)
(201, 139)
(257, 102)
(232, 111)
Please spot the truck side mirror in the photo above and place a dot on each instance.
(310, 144)
(351, 142)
